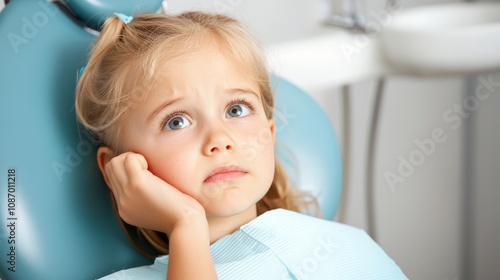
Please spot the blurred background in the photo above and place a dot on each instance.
(434, 209)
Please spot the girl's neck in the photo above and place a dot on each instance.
(220, 226)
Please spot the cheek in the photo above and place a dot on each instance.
(172, 166)
(270, 161)
(265, 152)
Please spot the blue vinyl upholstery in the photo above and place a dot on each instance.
(56, 219)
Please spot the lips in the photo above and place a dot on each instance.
(225, 173)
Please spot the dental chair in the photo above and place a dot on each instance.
(56, 217)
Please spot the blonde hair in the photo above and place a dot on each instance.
(122, 69)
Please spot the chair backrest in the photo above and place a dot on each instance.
(56, 219)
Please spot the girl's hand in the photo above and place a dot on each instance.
(146, 201)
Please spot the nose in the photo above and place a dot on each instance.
(217, 140)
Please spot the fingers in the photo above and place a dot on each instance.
(122, 169)
(143, 161)
(134, 163)
(115, 172)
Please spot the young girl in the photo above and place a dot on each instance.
(173, 99)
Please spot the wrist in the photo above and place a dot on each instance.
(191, 228)
(189, 221)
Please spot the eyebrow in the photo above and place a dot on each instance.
(243, 91)
(161, 107)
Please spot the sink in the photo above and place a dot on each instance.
(450, 38)
(438, 39)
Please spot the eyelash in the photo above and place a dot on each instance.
(244, 101)
(170, 115)
(176, 113)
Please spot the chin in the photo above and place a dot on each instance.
(233, 201)
(224, 210)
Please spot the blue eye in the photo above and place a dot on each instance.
(177, 123)
(237, 110)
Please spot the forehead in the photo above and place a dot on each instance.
(205, 67)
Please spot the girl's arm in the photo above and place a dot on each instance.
(146, 201)
(189, 250)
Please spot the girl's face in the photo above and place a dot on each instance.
(204, 131)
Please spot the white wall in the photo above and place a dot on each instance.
(418, 224)
(486, 233)
(272, 21)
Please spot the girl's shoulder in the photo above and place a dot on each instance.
(315, 248)
(288, 222)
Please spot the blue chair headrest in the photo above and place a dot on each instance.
(94, 12)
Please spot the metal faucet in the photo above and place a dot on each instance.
(346, 13)
(350, 14)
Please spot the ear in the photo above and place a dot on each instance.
(104, 155)
(272, 127)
